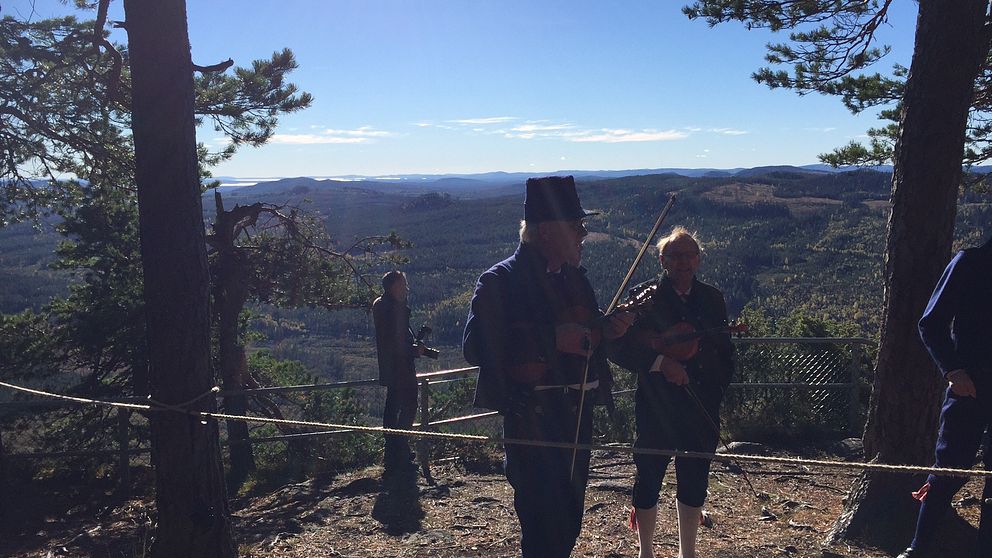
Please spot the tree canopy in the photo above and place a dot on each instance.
(69, 112)
(830, 48)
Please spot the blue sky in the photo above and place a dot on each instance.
(461, 86)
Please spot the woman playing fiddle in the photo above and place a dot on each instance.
(680, 382)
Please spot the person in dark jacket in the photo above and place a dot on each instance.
(532, 331)
(956, 329)
(677, 403)
(396, 349)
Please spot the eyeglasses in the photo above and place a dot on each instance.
(680, 256)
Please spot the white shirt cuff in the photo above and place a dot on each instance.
(656, 367)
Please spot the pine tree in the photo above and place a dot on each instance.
(944, 82)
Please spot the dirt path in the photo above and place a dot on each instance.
(356, 515)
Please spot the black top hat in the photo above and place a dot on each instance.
(553, 198)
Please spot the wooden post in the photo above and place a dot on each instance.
(123, 458)
(854, 404)
(423, 444)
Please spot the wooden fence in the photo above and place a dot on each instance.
(814, 377)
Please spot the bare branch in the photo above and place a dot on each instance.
(215, 68)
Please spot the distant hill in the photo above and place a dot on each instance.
(778, 239)
(784, 171)
(497, 183)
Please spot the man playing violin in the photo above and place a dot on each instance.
(684, 359)
(535, 331)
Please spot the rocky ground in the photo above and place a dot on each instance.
(466, 513)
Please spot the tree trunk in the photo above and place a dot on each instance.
(192, 505)
(230, 293)
(951, 45)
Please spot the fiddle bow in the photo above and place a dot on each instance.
(609, 310)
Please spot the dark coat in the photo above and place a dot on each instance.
(394, 342)
(511, 323)
(956, 326)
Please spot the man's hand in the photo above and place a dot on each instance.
(961, 384)
(574, 339)
(674, 372)
(617, 324)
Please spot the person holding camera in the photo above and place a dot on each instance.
(396, 349)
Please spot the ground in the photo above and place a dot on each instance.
(467, 513)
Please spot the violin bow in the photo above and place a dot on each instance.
(640, 254)
(716, 429)
(612, 306)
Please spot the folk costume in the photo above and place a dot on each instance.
(956, 329)
(511, 335)
(396, 351)
(667, 416)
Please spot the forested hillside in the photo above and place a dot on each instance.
(776, 242)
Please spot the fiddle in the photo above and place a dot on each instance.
(681, 341)
(578, 332)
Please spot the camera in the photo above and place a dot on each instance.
(429, 352)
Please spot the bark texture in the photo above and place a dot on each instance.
(192, 505)
(230, 294)
(951, 45)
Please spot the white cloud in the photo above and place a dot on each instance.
(218, 142)
(564, 131)
(365, 134)
(483, 121)
(304, 139)
(607, 135)
(539, 127)
(364, 131)
(729, 131)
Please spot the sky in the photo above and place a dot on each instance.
(469, 86)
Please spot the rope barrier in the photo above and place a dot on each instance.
(723, 458)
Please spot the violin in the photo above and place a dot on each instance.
(577, 333)
(680, 341)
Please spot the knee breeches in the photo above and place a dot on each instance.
(674, 422)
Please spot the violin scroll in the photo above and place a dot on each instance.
(640, 298)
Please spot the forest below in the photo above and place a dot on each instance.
(779, 243)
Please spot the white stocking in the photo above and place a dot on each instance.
(688, 527)
(646, 520)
